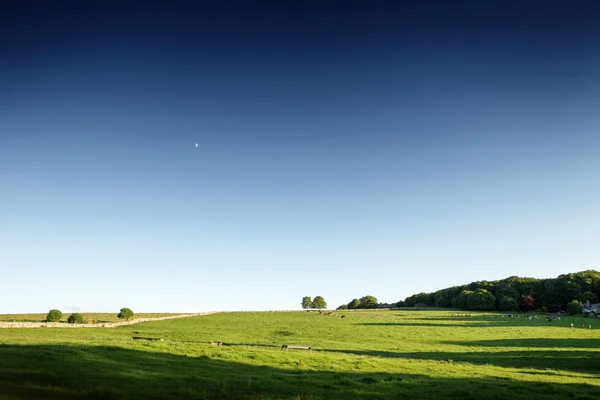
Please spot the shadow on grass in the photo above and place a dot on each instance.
(85, 372)
(565, 343)
(575, 361)
(82, 372)
(482, 323)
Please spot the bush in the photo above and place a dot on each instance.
(574, 308)
(75, 318)
(53, 316)
(125, 313)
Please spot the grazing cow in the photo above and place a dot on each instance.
(343, 316)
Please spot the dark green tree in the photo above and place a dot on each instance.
(588, 296)
(306, 302)
(319, 303)
(75, 318)
(125, 313)
(461, 300)
(368, 302)
(508, 303)
(53, 316)
(354, 304)
(481, 299)
(574, 308)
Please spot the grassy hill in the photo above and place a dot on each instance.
(401, 354)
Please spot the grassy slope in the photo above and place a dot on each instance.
(412, 354)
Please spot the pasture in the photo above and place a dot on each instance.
(401, 354)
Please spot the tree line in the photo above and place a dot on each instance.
(515, 293)
(362, 303)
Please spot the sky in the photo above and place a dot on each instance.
(344, 149)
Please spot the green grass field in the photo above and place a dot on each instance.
(403, 354)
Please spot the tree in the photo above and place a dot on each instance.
(306, 302)
(574, 308)
(53, 316)
(368, 302)
(125, 313)
(527, 303)
(461, 300)
(508, 303)
(75, 318)
(355, 303)
(319, 303)
(481, 299)
(588, 296)
(442, 302)
(342, 307)
(400, 304)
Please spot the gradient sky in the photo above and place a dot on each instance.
(345, 149)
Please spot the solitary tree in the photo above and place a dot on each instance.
(125, 313)
(306, 302)
(53, 316)
(319, 303)
(75, 318)
(368, 302)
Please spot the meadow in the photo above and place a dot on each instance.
(375, 354)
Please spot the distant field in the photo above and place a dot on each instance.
(402, 354)
(90, 317)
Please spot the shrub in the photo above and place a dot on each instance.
(75, 318)
(53, 316)
(574, 308)
(125, 313)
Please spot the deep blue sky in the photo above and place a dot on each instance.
(345, 149)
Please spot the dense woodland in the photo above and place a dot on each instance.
(515, 293)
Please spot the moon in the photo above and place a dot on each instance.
(196, 144)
